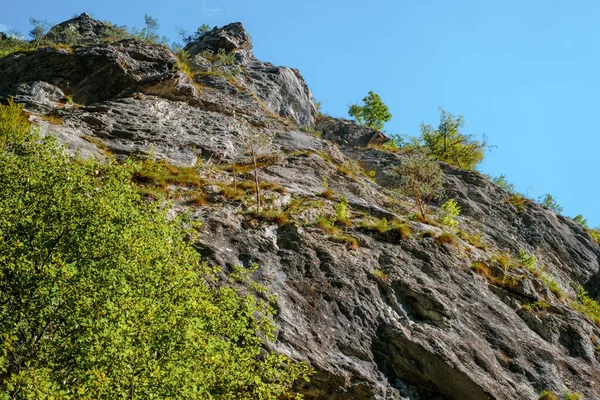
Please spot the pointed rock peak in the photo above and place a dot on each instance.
(231, 37)
(83, 28)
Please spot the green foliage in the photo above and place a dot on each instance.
(374, 113)
(341, 212)
(550, 203)
(573, 395)
(581, 221)
(448, 213)
(13, 44)
(149, 33)
(526, 260)
(539, 305)
(101, 296)
(448, 144)
(502, 183)
(519, 202)
(547, 395)
(422, 178)
(587, 305)
(189, 38)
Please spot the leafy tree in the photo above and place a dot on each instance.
(38, 30)
(149, 33)
(421, 178)
(374, 113)
(101, 296)
(550, 203)
(189, 38)
(448, 144)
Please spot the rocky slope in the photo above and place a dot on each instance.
(388, 317)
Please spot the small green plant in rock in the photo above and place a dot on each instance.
(539, 305)
(550, 203)
(527, 260)
(448, 213)
(573, 395)
(341, 212)
(587, 305)
(380, 274)
(502, 183)
(581, 220)
(547, 395)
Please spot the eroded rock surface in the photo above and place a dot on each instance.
(394, 318)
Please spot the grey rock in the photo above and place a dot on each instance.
(80, 29)
(348, 133)
(42, 96)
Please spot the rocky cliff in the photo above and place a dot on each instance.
(407, 310)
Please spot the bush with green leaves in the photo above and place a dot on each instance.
(422, 178)
(102, 296)
(446, 142)
(502, 182)
(374, 113)
(448, 213)
(550, 203)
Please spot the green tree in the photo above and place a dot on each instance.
(374, 113)
(448, 144)
(38, 30)
(101, 296)
(421, 178)
(550, 203)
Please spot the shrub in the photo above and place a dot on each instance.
(581, 221)
(374, 113)
(350, 241)
(448, 144)
(422, 178)
(448, 213)
(587, 305)
(519, 202)
(502, 183)
(101, 294)
(327, 225)
(573, 396)
(474, 240)
(539, 305)
(527, 260)
(550, 203)
(380, 274)
(547, 395)
(341, 212)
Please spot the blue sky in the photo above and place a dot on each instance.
(523, 72)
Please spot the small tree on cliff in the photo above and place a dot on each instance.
(421, 178)
(374, 113)
(448, 144)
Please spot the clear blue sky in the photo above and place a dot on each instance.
(525, 73)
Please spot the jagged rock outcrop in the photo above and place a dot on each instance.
(394, 317)
(81, 29)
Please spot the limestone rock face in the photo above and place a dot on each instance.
(392, 318)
